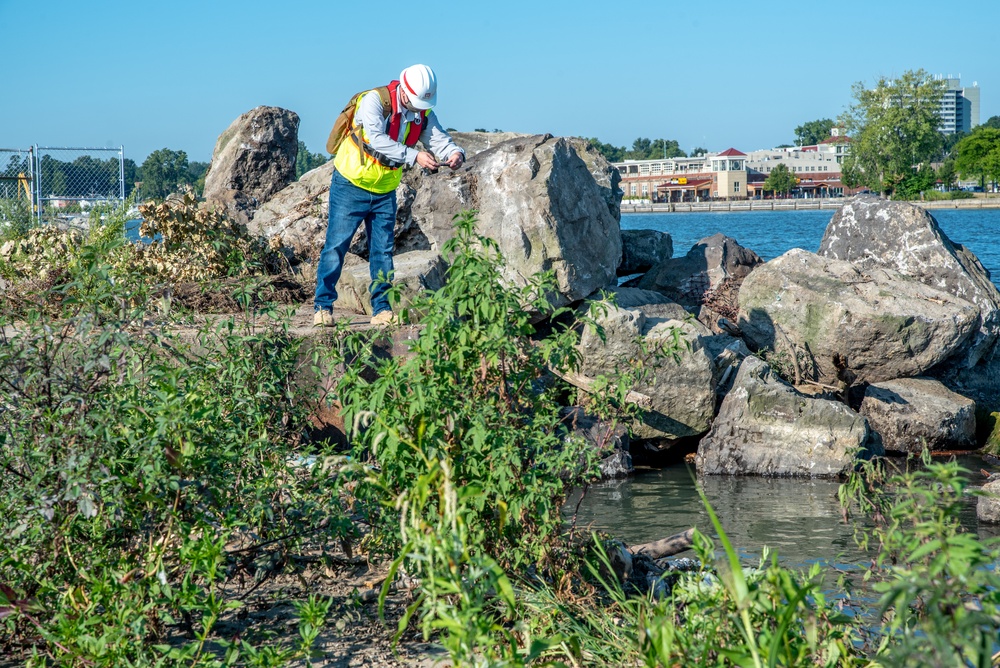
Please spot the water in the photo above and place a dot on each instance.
(771, 233)
(799, 518)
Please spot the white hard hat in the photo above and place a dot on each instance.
(421, 86)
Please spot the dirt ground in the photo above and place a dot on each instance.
(354, 635)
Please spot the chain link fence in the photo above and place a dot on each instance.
(17, 171)
(43, 184)
(71, 180)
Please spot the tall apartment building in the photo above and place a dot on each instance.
(959, 107)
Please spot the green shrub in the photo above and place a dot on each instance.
(141, 472)
(939, 590)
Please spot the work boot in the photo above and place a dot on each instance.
(383, 318)
(323, 318)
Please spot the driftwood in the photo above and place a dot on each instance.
(641, 568)
(665, 547)
(587, 385)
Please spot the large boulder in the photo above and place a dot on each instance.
(874, 233)
(912, 413)
(414, 273)
(766, 427)
(643, 249)
(551, 203)
(887, 325)
(707, 279)
(253, 160)
(680, 389)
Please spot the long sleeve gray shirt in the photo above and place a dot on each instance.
(433, 136)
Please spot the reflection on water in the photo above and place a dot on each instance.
(799, 518)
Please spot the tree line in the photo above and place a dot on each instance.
(643, 149)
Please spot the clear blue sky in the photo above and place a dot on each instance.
(150, 75)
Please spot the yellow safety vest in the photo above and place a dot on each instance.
(362, 169)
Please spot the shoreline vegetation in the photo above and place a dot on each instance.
(165, 500)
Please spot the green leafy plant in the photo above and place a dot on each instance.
(939, 592)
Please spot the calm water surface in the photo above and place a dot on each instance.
(771, 233)
(798, 518)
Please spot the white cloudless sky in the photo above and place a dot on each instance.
(151, 75)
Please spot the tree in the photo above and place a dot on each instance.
(813, 132)
(306, 161)
(611, 153)
(163, 172)
(784, 146)
(698, 150)
(893, 127)
(780, 180)
(992, 122)
(196, 173)
(977, 155)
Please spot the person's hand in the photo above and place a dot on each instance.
(426, 160)
(455, 160)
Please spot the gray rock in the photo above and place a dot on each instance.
(766, 427)
(689, 279)
(415, 272)
(551, 203)
(912, 413)
(681, 391)
(642, 249)
(888, 325)
(253, 160)
(988, 505)
(871, 232)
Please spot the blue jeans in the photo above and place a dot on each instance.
(349, 207)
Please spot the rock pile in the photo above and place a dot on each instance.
(862, 347)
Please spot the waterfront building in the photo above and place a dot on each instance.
(732, 174)
(959, 106)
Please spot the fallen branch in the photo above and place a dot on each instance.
(665, 547)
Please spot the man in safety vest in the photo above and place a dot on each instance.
(386, 125)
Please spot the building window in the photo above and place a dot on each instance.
(645, 189)
(633, 190)
(657, 167)
(643, 170)
(736, 186)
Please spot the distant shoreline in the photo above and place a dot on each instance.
(796, 205)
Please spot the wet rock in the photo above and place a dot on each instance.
(912, 413)
(887, 325)
(766, 427)
(874, 233)
(253, 160)
(643, 249)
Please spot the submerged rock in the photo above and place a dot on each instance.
(766, 427)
